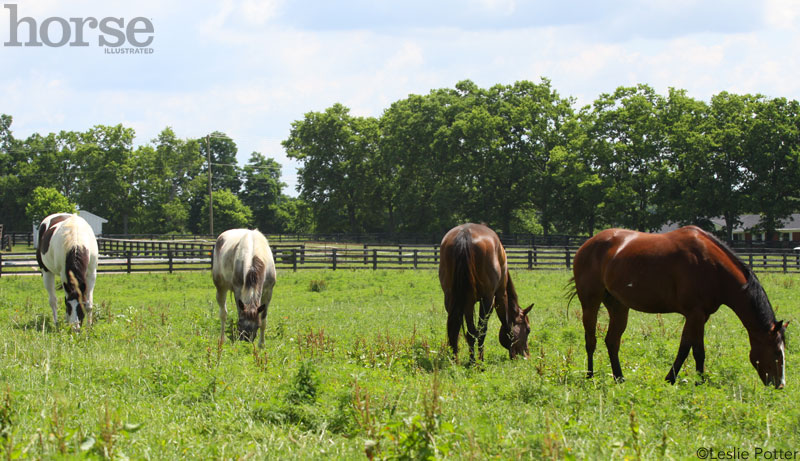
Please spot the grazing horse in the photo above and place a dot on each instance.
(687, 271)
(473, 269)
(67, 247)
(243, 263)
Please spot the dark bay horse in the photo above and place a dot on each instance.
(687, 271)
(473, 269)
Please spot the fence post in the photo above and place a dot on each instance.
(569, 262)
(128, 253)
(400, 254)
(436, 255)
(169, 255)
(374, 260)
(303, 254)
(784, 263)
(365, 255)
(1, 264)
(415, 258)
(294, 260)
(334, 259)
(530, 259)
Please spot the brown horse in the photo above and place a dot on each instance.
(687, 271)
(472, 269)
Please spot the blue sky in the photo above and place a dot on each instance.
(251, 67)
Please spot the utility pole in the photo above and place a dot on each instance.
(210, 194)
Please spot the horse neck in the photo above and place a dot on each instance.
(751, 305)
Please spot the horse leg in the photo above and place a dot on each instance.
(454, 322)
(590, 336)
(483, 322)
(91, 278)
(223, 311)
(472, 332)
(618, 321)
(691, 338)
(50, 285)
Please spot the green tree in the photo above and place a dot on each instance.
(337, 177)
(262, 192)
(420, 158)
(225, 172)
(168, 169)
(45, 201)
(111, 175)
(773, 161)
(229, 212)
(628, 140)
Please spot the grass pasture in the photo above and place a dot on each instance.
(355, 363)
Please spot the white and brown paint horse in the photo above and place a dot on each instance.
(243, 263)
(67, 247)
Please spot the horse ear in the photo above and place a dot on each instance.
(785, 324)
(527, 309)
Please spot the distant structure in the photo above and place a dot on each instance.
(95, 222)
(750, 228)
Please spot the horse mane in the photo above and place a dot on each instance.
(511, 292)
(755, 292)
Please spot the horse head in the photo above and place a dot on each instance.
(514, 333)
(768, 355)
(75, 300)
(250, 318)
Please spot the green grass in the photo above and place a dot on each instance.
(362, 365)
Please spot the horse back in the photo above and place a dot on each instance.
(66, 242)
(477, 249)
(242, 259)
(667, 272)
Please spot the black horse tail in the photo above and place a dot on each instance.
(464, 288)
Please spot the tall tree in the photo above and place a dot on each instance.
(225, 171)
(262, 191)
(337, 178)
(773, 161)
(629, 141)
(111, 175)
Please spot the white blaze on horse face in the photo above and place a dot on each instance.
(783, 365)
(73, 318)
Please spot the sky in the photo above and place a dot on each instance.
(249, 68)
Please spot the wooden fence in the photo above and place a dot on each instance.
(172, 258)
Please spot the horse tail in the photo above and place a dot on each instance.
(76, 265)
(570, 291)
(464, 281)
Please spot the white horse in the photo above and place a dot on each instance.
(67, 247)
(243, 263)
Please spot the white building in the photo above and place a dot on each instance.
(96, 223)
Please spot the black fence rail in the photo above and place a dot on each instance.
(424, 239)
(295, 257)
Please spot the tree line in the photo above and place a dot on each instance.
(159, 187)
(523, 158)
(519, 157)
